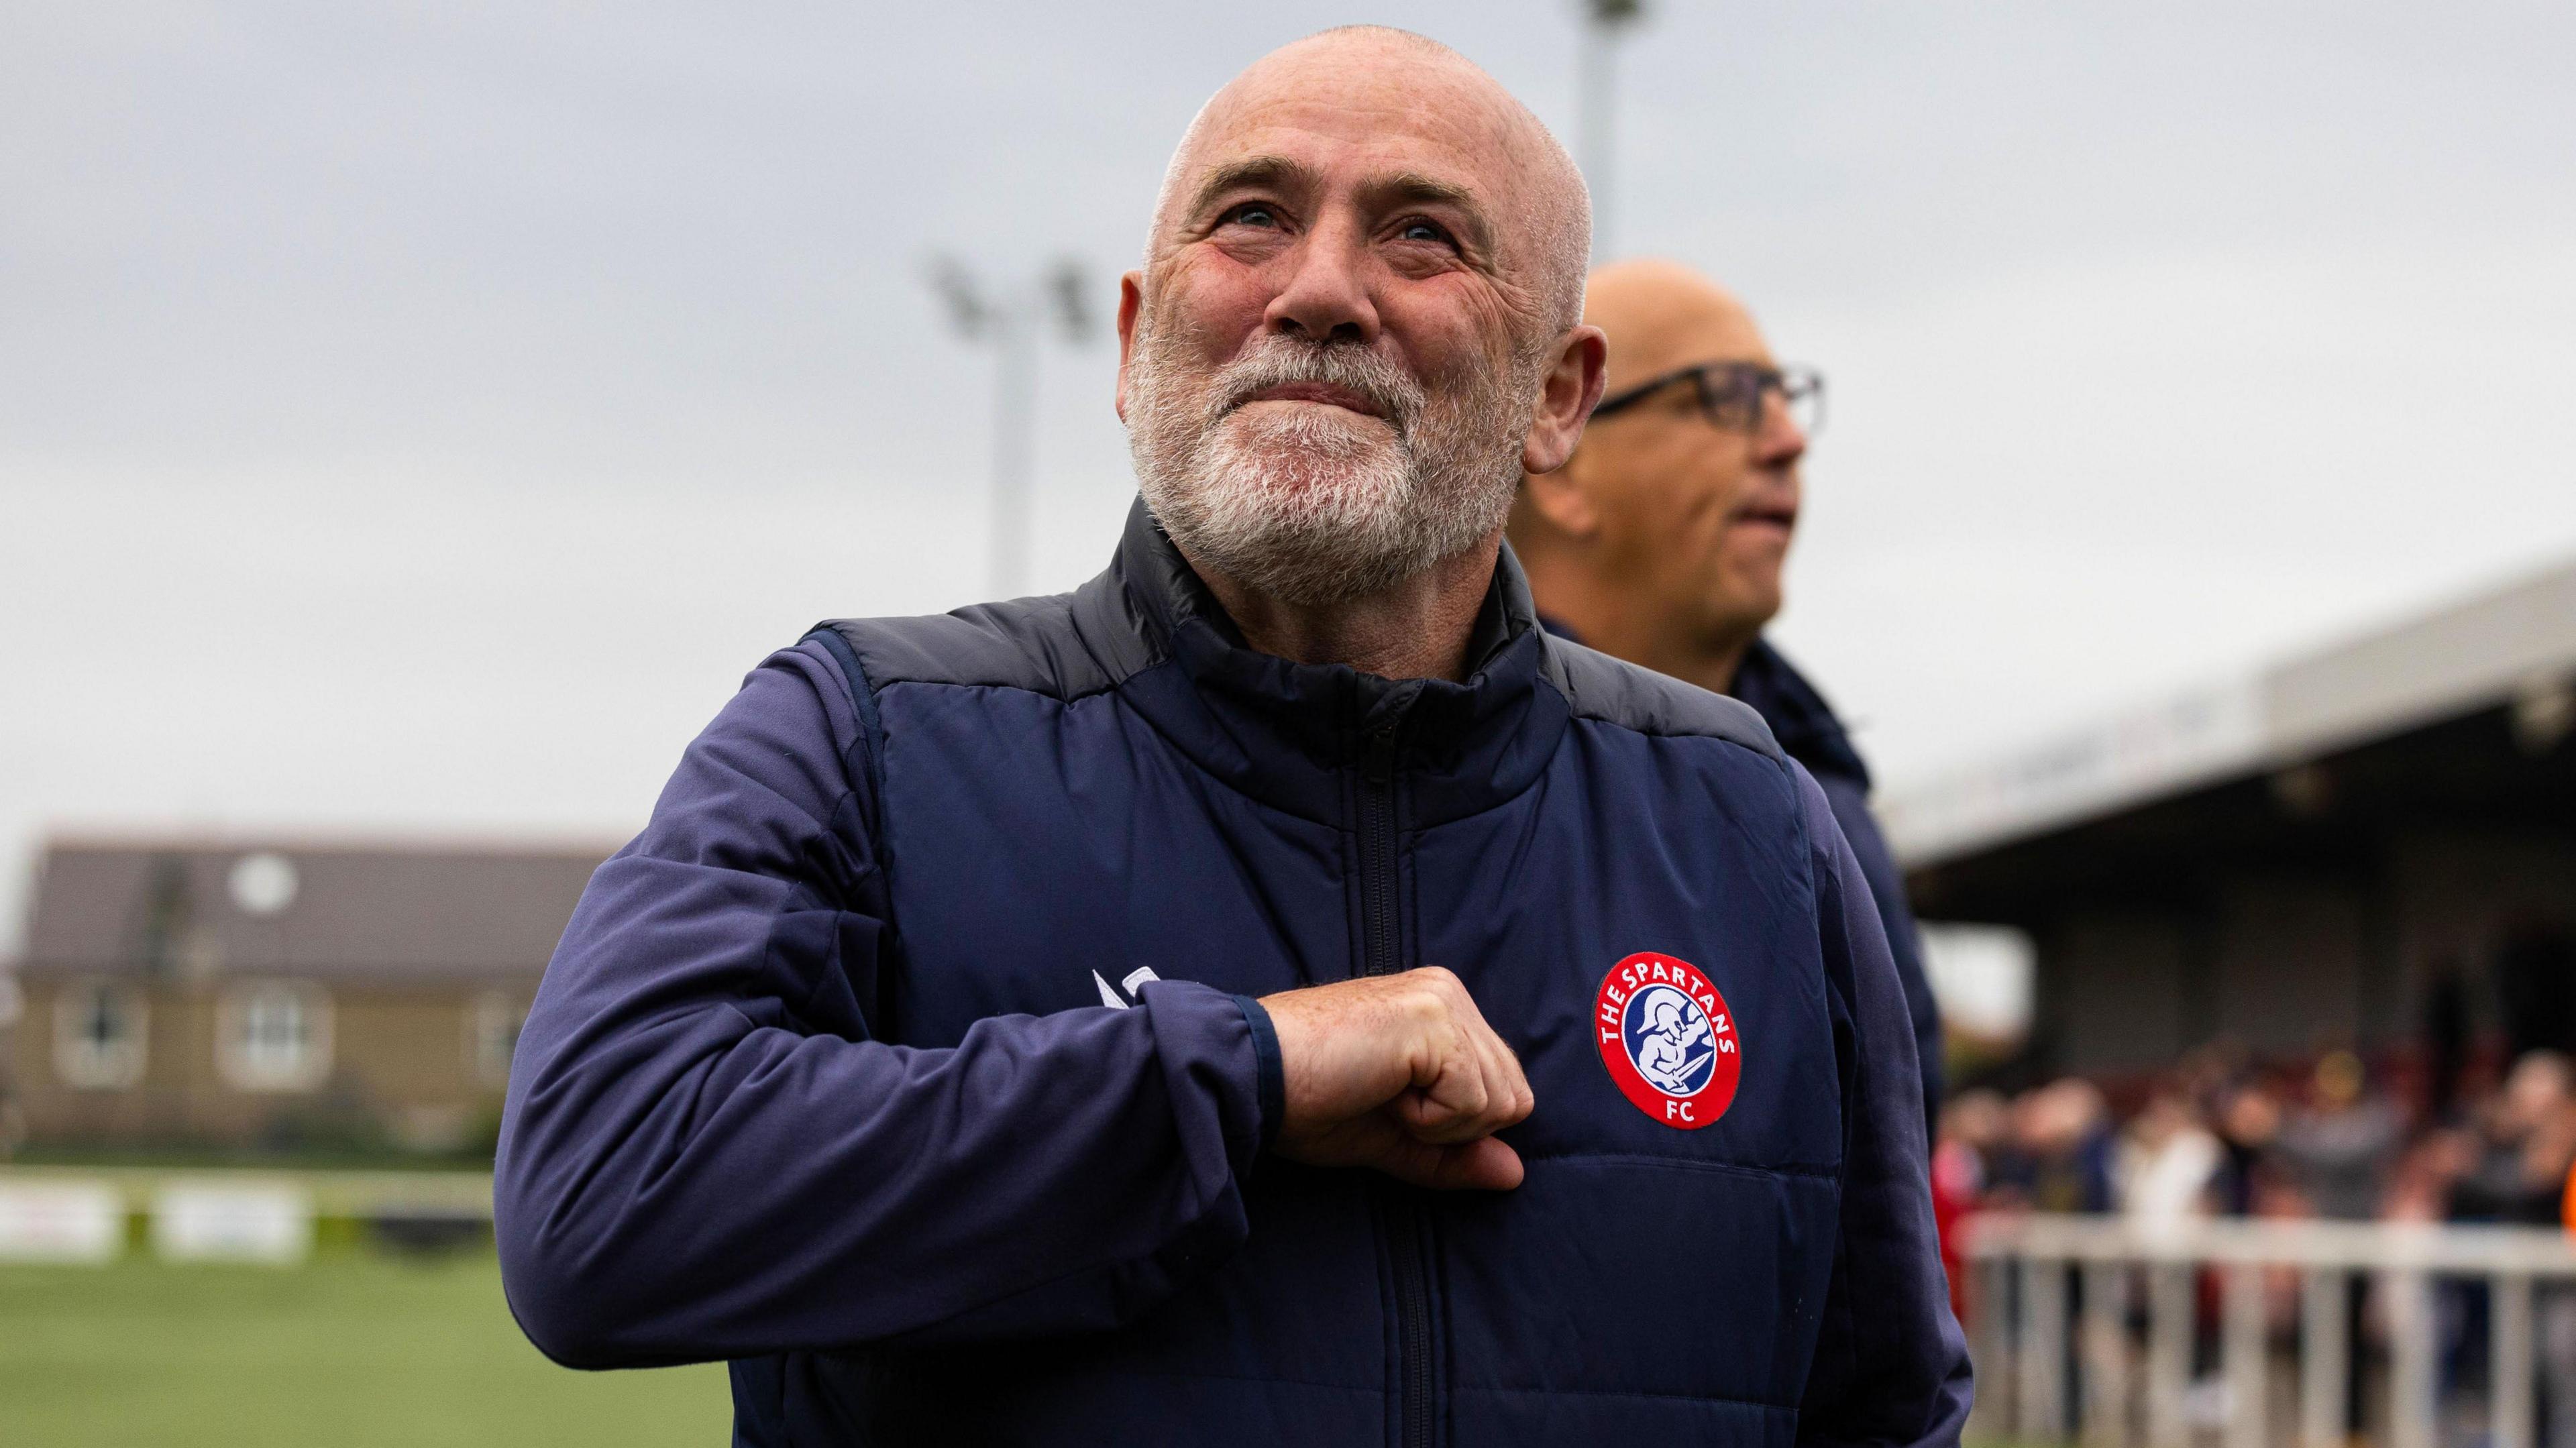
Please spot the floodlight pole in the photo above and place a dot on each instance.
(1016, 324)
(1596, 146)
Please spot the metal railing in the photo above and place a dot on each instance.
(2086, 1329)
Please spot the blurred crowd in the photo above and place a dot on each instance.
(2224, 1136)
(2472, 1121)
(2221, 1136)
(2464, 1124)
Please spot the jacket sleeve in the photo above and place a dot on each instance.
(706, 1155)
(1891, 1366)
(1850, 801)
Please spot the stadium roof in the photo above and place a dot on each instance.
(343, 911)
(2514, 647)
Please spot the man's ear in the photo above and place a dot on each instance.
(1131, 296)
(1565, 399)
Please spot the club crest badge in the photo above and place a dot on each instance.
(1668, 1040)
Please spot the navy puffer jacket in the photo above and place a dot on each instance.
(909, 1058)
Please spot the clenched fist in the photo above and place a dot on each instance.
(1400, 1073)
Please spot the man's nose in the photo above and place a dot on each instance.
(1326, 295)
(1779, 441)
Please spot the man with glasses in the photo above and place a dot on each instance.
(1661, 542)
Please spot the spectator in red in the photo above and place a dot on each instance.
(1972, 1128)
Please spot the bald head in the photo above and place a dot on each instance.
(1661, 316)
(1410, 88)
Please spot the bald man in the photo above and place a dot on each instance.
(1661, 542)
(1276, 993)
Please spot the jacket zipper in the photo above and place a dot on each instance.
(1383, 954)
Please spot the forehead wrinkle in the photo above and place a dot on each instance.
(1415, 186)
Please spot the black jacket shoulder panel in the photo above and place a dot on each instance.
(1025, 643)
(1614, 691)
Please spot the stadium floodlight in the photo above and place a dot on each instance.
(958, 288)
(1015, 321)
(1597, 106)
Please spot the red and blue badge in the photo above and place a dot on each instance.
(1668, 1039)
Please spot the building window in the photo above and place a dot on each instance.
(492, 1036)
(274, 1036)
(99, 1035)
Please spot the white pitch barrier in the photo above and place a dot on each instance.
(269, 1225)
(2086, 1329)
(61, 1222)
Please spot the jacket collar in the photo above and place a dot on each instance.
(1294, 735)
(1799, 717)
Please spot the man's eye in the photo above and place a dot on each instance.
(1423, 231)
(1250, 213)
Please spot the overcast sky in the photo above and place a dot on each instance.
(419, 417)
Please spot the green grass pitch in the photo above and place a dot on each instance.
(354, 1349)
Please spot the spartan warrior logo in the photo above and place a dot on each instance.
(1668, 1040)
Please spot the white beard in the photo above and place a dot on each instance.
(1313, 504)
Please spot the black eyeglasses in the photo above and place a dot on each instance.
(1731, 394)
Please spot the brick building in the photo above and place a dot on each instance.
(278, 995)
